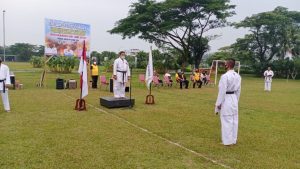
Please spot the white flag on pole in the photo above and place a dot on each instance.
(149, 71)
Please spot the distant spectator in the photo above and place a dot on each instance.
(204, 77)
(181, 78)
(197, 79)
(167, 74)
(157, 75)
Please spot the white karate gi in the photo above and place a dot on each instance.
(229, 82)
(4, 75)
(120, 65)
(268, 79)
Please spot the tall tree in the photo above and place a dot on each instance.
(173, 23)
(271, 36)
(108, 55)
(24, 51)
(142, 59)
(98, 56)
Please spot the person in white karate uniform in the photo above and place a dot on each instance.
(4, 82)
(268, 74)
(227, 103)
(121, 75)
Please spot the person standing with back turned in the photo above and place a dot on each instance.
(227, 103)
(4, 82)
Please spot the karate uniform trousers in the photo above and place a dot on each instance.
(4, 74)
(268, 85)
(268, 79)
(229, 121)
(5, 100)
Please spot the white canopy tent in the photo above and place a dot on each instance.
(215, 65)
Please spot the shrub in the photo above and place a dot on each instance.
(37, 61)
(63, 64)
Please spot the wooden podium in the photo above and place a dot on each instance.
(111, 102)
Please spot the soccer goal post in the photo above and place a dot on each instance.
(216, 64)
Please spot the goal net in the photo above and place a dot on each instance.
(218, 67)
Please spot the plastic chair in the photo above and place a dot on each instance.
(142, 78)
(103, 81)
(155, 81)
(167, 81)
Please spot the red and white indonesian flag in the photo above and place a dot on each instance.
(149, 71)
(83, 73)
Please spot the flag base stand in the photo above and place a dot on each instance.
(80, 105)
(149, 99)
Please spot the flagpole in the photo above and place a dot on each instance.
(151, 82)
(81, 84)
(149, 74)
(80, 103)
(130, 87)
(81, 79)
(4, 35)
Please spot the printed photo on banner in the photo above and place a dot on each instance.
(66, 38)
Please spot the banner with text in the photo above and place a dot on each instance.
(66, 38)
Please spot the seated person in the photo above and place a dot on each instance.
(197, 79)
(204, 77)
(181, 78)
(167, 74)
(177, 77)
(157, 75)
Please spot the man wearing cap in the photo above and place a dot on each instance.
(227, 103)
(197, 79)
(95, 74)
(121, 75)
(4, 83)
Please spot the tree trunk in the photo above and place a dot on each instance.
(183, 66)
(197, 63)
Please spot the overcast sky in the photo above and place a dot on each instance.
(25, 20)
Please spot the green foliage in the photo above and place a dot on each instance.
(199, 46)
(287, 68)
(142, 60)
(179, 24)
(108, 65)
(24, 51)
(63, 64)
(104, 57)
(272, 35)
(162, 61)
(97, 55)
(37, 61)
(220, 55)
(131, 61)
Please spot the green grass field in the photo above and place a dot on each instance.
(43, 130)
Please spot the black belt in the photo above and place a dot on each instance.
(124, 73)
(229, 92)
(3, 81)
